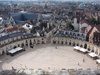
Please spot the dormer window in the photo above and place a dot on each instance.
(78, 34)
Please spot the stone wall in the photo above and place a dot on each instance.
(25, 42)
(54, 40)
(74, 42)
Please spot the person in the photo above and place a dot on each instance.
(25, 67)
(78, 64)
(12, 68)
(83, 60)
(49, 68)
(56, 47)
(3, 52)
(7, 52)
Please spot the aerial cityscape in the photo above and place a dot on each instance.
(49, 37)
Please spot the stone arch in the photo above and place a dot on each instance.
(38, 41)
(34, 41)
(26, 43)
(81, 45)
(73, 43)
(77, 44)
(30, 42)
(62, 42)
(85, 45)
(92, 49)
(42, 39)
(43, 42)
(14, 46)
(18, 45)
(66, 42)
(89, 48)
(70, 42)
(53, 41)
(58, 42)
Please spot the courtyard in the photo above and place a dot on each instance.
(50, 56)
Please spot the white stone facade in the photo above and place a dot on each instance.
(54, 40)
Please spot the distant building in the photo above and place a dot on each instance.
(79, 26)
(93, 34)
(23, 17)
(1, 20)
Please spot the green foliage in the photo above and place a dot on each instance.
(46, 6)
(70, 25)
(94, 21)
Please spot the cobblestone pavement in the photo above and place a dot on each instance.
(52, 56)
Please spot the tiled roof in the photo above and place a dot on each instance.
(12, 29)
(15, 34)
(24, 16)
(89, 28)
(28, 35)
(97, 27)
(4, 37)
(11, 35)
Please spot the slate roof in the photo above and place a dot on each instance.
(12, 35)
(4, 37)
(5, 21)
(12, 29)
(70, 34)
(28, 35)
(22, 17)
(15, 34)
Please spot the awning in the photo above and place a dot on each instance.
(98, 60)
(15, 50)
(93, 55)
(83, 50)
(77, 47)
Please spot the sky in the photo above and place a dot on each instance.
(50, 0)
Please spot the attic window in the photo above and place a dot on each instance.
(74, 34)
(82, 35)
(28, 25)
(78, 34)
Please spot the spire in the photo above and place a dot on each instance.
(37, 34)
(43, 29)
(47, 25)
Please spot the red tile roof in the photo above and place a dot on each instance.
(12, 29)
(97, 27)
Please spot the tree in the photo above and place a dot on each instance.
(70, 25)
(93, 20)
(73, 8)
(98, 21)
(46, 6)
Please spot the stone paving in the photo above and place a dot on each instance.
(50, 56)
